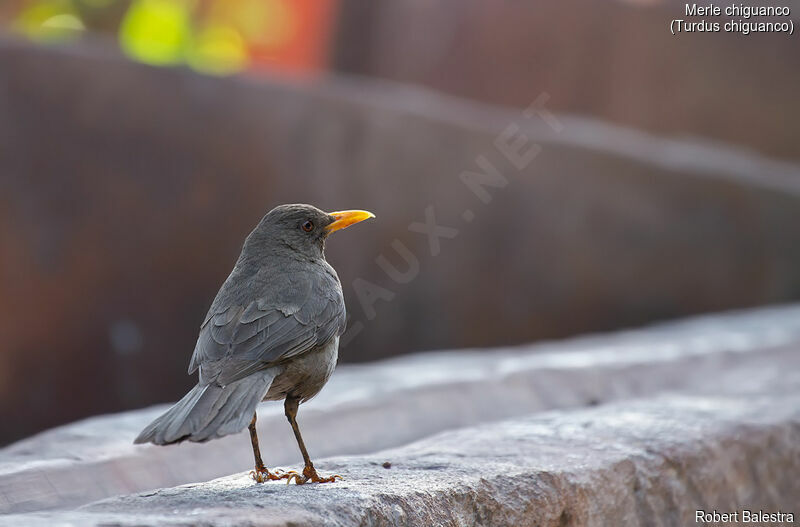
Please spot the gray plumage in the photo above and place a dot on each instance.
(272, 331)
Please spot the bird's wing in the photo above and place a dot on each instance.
(237, 340)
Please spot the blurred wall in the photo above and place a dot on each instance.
(611, 59)
(126, 191)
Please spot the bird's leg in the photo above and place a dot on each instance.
(261, 474)
(309, 472)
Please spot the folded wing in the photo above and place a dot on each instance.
(237, 340)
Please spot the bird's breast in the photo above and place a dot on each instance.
(305, 375)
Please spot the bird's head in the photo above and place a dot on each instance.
(302, 228)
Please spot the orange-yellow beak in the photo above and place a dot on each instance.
(346, 218)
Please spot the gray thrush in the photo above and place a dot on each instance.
(272, 333)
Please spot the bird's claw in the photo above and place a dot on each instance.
(258, 476)
(298, 479)
(310, 474)
(264, 475)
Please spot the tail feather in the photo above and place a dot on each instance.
(209, 411)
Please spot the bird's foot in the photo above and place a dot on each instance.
(310, 474)
(262, 475)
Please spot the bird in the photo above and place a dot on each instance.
(271, 333)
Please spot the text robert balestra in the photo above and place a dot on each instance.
(743, 516)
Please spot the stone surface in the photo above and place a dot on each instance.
(732, 443)
(367, 408)
(131, 189)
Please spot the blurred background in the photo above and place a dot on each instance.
(654, 176)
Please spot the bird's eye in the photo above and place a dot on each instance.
(308, 226)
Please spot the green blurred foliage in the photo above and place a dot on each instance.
(50, 21)
(218, 49)
(210, 36)
(157, 32)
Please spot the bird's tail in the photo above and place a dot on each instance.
(209, 411)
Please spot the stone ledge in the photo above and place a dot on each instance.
(644, 462)
(394, 402)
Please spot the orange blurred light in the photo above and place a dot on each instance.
(296, 36)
